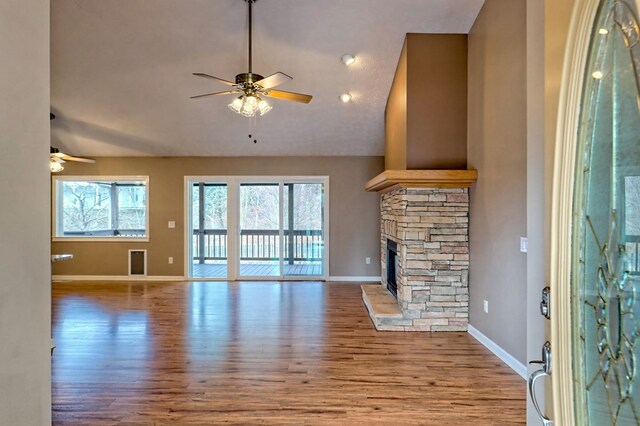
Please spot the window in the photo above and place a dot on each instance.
(104, 208)
(631, 216)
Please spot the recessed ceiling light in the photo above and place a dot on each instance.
(345, 97)
(597, 75)
(348, 59)
(603, 31)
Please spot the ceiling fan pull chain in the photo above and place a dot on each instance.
(253, 121)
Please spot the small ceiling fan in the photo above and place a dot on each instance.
(58, 158)
(252, 87)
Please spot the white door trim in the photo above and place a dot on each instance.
(188, 219)
(575, 60)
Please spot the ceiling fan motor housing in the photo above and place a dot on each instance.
(248, 78)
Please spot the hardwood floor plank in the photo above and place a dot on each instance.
(202, 353)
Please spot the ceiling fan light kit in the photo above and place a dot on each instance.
(57, 158)
(55, 166)
(252, 87)
(249, 106)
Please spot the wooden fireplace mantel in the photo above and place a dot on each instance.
(395, 179)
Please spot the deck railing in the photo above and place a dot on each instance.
(107, 233)
(257, 244)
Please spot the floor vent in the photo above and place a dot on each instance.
(137, 263)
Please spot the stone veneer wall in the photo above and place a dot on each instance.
(431, 227)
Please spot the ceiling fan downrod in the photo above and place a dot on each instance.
(248, 78)
(251, 2)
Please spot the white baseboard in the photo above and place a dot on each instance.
(515, 365)
(350, 279)
(115, 278)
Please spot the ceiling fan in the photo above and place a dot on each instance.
(58, 158)
(252, 87)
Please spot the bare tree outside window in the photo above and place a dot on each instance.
(260, 206)
(101, 208)
(86, 206)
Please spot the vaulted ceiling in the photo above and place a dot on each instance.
(121, 73)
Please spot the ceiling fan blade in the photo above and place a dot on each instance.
(79, 159)
(66, 157)
(221, 80)
(274, 80)
(228, 92)
(289, 96)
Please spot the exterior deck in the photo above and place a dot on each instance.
(257, 270)
(302, 251)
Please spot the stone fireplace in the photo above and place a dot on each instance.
(424, 191)
(426, 223)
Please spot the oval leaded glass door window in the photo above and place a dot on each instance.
(606, 227)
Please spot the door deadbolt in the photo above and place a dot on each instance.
(545, 304)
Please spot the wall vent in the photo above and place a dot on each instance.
(137, 263)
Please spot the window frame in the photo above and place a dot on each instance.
(56, 208)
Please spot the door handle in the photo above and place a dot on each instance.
(545, 370)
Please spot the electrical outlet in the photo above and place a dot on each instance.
(170, 260)
(172, 224)
(367, 260)
(486, 306)
(524, 244)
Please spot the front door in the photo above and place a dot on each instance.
(596, 222)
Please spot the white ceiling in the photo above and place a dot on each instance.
(121, 73)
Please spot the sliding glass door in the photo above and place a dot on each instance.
(259, 218)
(209, 230)
(303, 212)
(257, 228)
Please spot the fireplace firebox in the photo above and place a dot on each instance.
(392, 267)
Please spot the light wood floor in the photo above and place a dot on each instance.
(262, 353)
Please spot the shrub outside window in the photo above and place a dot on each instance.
(110, 208)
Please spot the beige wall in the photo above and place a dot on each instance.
(354, 213)
(437, 101)
(497, 147)
(547, 25)
(536, 197)
(25, 291)
(395, 126)
(426, 115)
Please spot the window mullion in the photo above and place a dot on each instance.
(114, 209)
